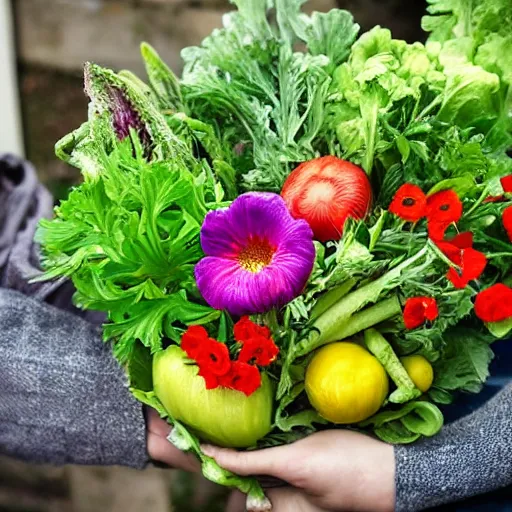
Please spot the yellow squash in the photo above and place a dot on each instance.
(345, 383)
(420, 371)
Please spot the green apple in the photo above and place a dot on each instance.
(221, 416)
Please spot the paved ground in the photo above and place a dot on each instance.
(31, 488)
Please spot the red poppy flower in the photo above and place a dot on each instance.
(418, 310)
(436, 230)
(462, 240)
(507, 221)
(193, 339)
(260, 351)
(409, 203)
(214, 357)
(444, 207)
(506, 183)
(471, 263)
(211, 380)
(452, 248)
(245, 330)
(242, 377)
(494, 304)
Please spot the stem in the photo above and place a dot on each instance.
(337, 315)
(271, 320)
(429, 107)
(441, 255)
(257, 501)
(383, 351)
(370, 141)
(479, 201)
(495, 241)
(331, 297)
(357, 322)
(369, 317)
(394, 247)
(498, 255)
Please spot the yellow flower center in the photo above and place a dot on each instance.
(256, 256)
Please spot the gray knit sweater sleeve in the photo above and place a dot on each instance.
(63, 398)
(469, 457)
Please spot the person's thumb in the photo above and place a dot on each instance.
(271, 461)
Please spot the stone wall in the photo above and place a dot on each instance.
(63, 34)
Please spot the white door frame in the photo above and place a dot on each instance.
(11, 139)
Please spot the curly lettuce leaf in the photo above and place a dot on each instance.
(480, 26)
(464, 364)
(406, 424)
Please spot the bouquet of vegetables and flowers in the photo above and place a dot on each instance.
(309, 229)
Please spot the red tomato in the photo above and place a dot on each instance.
(325, 192)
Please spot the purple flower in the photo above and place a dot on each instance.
(258, 256)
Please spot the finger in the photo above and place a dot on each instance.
(236, 502)
(271, 461)
(157, 425)
(163, 451)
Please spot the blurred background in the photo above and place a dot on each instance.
(43, 45)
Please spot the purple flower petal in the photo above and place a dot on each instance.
(240, 273)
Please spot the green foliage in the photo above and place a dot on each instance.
(465, 362)
(256, 98)
(408, 423)
(246, 80)
(129, 239)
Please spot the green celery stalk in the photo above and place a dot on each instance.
(336, 320)
(383, 310)
(383, 351)
(331, 297)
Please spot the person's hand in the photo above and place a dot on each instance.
(161, 450)
(337, 469)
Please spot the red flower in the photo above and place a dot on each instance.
(211, 380)
(418, 310)
(214, 357)
(242, 377)
(506, 183)
(260, 351)
(471, 262)
(444, 207)
(436, 230)
(507, 221)
(244, 330)
(409, 203)
(193, 340)
(462, 240)
(494, 304)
